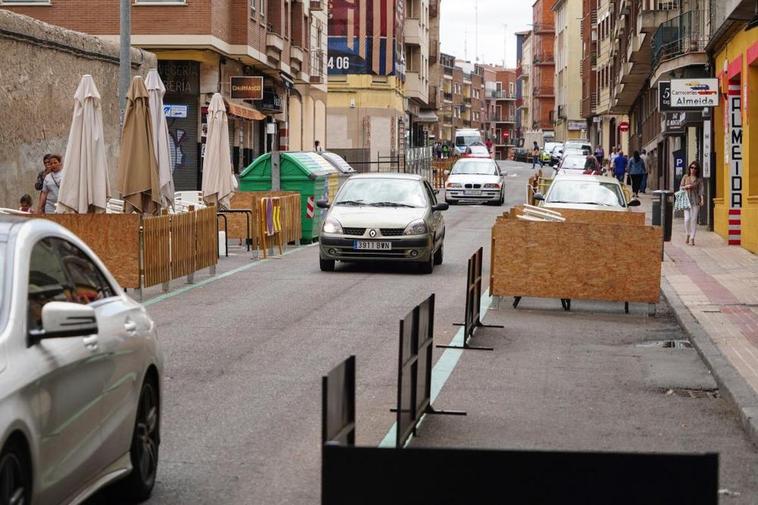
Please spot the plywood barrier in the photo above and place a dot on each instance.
(576, 260)
(114, 238)
(630, 217)
(157, 251)
(251, 200)
(182, 244)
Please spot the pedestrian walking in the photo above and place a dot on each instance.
(317, 146)
(25, 204)
(599, 154)
(637, 171)
(692, 183)
(488, 144)
(536, 156)
(619, 166)
(48, 198)
(643, 188)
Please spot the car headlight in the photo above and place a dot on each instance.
(416, 228)
(332, 226)
(453, 185)
(492, 186)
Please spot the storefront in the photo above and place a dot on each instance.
(735, 140)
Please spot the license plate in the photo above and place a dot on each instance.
(365, 245)
(475, 192)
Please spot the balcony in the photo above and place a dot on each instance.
(680, 42)
(433, 8)
(412, 31)
(317, 5)
(503, 118)
(544, 92)
(725, 13)
(274, 46)
(317, 67)
(543, 58)
(543, 29)
(499, 94)
(448, 97)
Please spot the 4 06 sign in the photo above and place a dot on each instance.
(339, 63)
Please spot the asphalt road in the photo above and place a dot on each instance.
(245, 354)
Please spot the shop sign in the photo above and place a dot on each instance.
(694, 92)
(664, 99)
(576, 125)
(175, 111)
(707, 149)
(180, 77)
(735, 151)
(247, 87)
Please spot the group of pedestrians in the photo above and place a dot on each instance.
(635, 168)
(442, 150)
(48, 184)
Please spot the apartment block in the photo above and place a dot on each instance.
(432, 110)
(524, 121)
(543, 73)
(200, 45)
(417, 41)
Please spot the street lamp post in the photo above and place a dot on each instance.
(125, 59)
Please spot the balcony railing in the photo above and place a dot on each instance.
(543, 28)
(543, 58)
(501, 94)
(544, 91)
(448, 70)
(682, 35)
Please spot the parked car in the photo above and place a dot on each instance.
(477, 151)
(475, 180)
(573, 162)
(546, 156)
(593, 192)
(582, 146)
(80, 373)
(521, 154)
(392, 217)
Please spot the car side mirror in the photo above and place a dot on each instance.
(539, 197)
(322, 204)
(65, 320)
(436, 191)
(440, 206)
(447, 172)
(634, 203)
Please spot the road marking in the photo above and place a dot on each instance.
(218, 277)
(441, 372)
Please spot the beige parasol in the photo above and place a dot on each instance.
(218, 180)
(85, 186)
(138, 178)
(161, 143)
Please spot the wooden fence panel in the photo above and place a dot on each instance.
(157, 250)
(206, 238)
(114, 238)
(631, 217)
(182, 244)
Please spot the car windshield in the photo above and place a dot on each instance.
(589, 192)
(471, 167)
(550, 146)
(467, 140)
(382, 193)
(574, 162)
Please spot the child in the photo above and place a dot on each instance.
(25, 204)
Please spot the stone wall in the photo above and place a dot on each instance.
(42, 66)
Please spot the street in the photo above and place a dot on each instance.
(245, 354)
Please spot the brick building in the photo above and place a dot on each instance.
(200, 45)
(543, 61)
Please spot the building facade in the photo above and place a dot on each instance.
(568, 84)
(543, 73)
(200, 46)
(524, 104)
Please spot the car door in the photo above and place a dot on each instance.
(121, 329)
(438, 224)
(69, 385)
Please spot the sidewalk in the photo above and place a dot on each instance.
(713, 290)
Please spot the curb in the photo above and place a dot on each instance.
(731, 384)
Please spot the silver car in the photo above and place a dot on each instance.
(477, 180)
(392, 217)
(80, 373)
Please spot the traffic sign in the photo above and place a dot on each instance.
(624, 127)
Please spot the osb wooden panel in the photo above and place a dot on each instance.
(157, 252)
(115, 238)
(599, 216)
(587, 261)
(182, 244)
(290, 215)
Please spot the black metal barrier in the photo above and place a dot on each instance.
(338, 404)
(473, 319)
(414, 374)
(374, 476)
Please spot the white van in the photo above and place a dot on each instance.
(465, 137)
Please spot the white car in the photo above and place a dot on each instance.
(573, 163)
(80, 373)
(586, 192)
(476, 180)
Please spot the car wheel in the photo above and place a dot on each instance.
(427, 267)
(439, 256)
(451, 202)
(502, 199)
(15, 478)
(144, 451)
(326, 265)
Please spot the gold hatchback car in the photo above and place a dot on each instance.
(383, 217)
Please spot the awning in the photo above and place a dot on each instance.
(426, 116)
(244, 112)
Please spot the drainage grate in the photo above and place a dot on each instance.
(692, 393)
(668, 344)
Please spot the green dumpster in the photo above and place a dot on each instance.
(306, 173)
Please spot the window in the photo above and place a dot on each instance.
(25, 2)
(88, 281)
(47, 281)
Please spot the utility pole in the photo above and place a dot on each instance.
(125, 58)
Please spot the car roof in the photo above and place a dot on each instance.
(565, 176)
(8, 223)
(391, 175)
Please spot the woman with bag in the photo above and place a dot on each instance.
(692, 185)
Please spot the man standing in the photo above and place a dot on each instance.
(619, 166)
(536, 156)
(318, 147)
(488, 143)
(643, 155)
